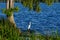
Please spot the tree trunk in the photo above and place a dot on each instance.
(11, 19)
(7, 4)
(10, 4)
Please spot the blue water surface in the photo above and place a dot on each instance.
(48, 19)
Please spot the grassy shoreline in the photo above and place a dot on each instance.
(8, 32)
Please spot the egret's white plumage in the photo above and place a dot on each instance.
(29, 26)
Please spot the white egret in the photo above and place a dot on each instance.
(29, 26)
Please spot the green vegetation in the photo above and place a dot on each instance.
(49, 2)
(9, 11)
(9, 32)
(31, 4)
(34, 4)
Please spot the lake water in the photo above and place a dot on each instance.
(45, 21)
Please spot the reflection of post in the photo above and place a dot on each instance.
(29, 26)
